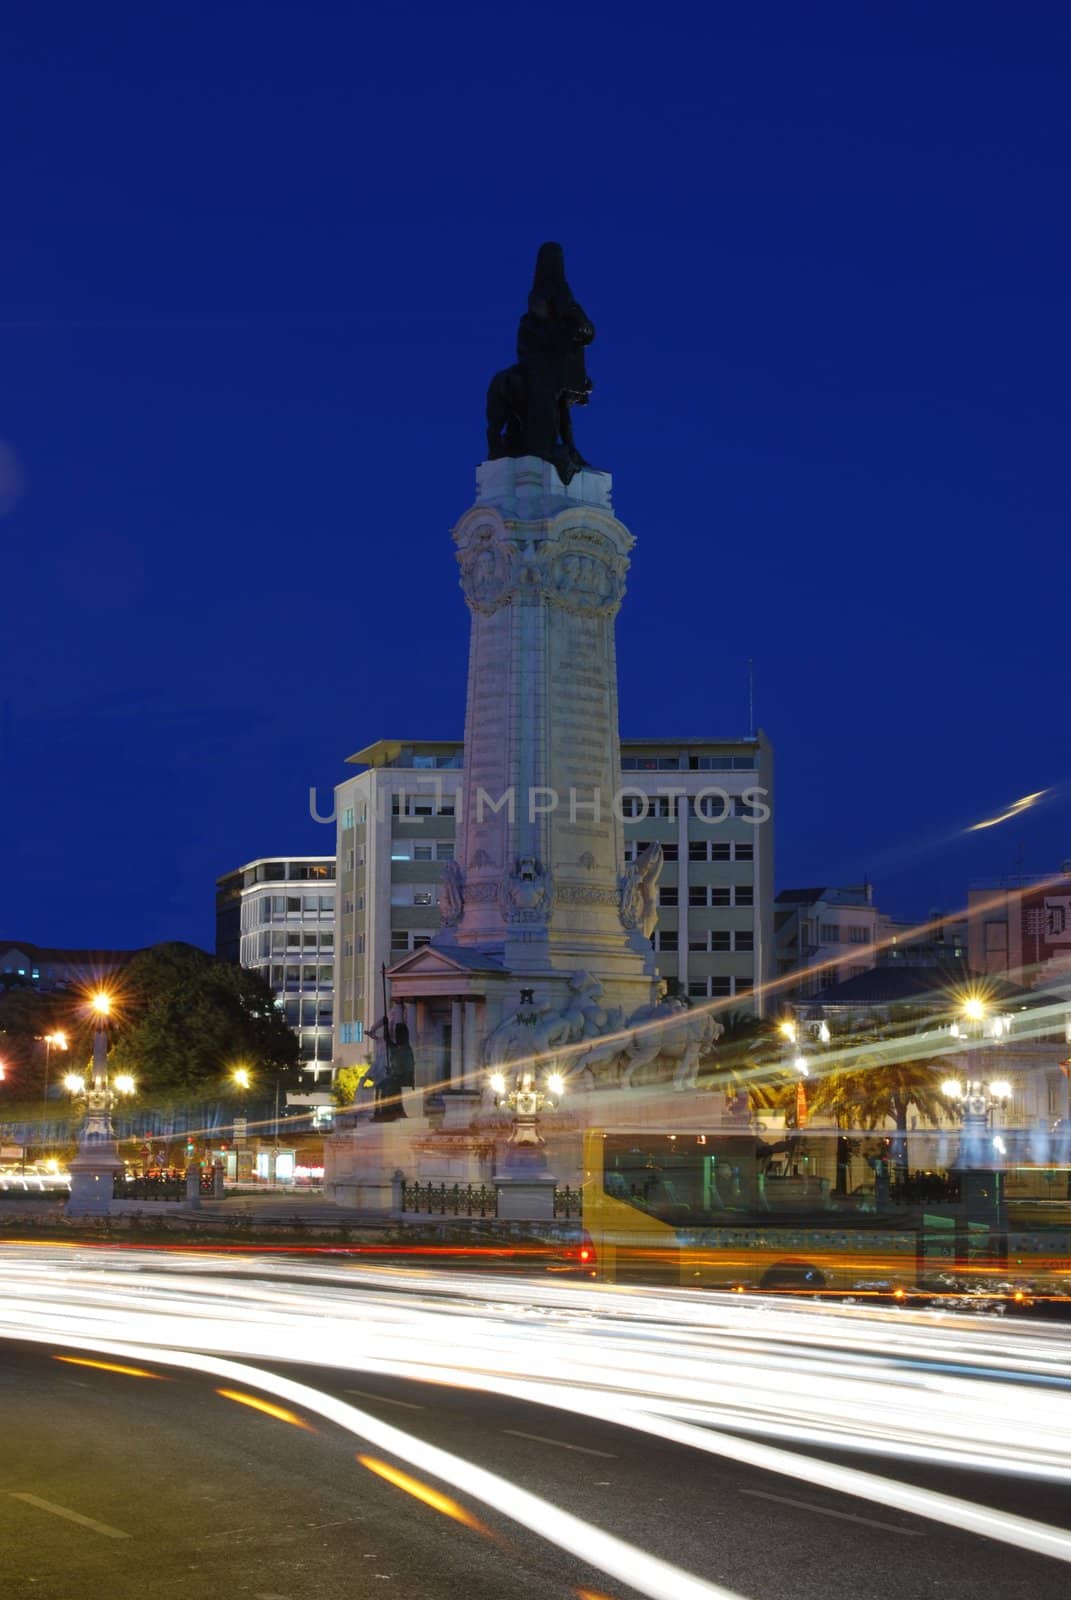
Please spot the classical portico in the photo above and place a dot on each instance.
(445, 993)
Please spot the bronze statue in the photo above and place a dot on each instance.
(529, 404)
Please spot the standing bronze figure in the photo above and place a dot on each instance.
(529, 404)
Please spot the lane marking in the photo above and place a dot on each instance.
(110, 1366)
(71, 1516)
(366, 1394)
(540, 1438)
(424, 1492)
(827, 1511)
(280, 1413)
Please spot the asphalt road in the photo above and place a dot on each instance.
(128, 1486)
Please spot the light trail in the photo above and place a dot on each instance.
(719, 1374)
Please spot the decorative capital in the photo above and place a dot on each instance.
(527, 893)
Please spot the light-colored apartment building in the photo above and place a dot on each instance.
(276, 916)
(708, 802)
(825, 935)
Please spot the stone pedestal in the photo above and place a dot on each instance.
(93, 1171)
(528, 1199)
(359, 1164)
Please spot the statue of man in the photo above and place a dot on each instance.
(528, 405)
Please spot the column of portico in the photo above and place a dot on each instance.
(470, 1049)
(457, 1065)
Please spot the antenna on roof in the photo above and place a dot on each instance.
(750, 697)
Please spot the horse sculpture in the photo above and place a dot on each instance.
(668, 1030)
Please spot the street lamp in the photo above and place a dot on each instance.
(981, 1151)
(525, 1185)
(53, 1041)
(94, 1168)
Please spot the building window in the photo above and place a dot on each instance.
(744, 852)
(697, 850)
(858, 933)
(719, 939)
(745, 941)
(697, 895)
(423, 897)
(721, 895)
(347, 818)
(399, 940)
(667, 897)
(444, 851)
(720, 852)
(697, 989)
(744, 985)
(745, 894)
(667, 940)
(720, 986)
(422, 852)
(828, 933)
(420, 940)
(669, 852)
(698, 944)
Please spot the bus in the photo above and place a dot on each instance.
(736, 1211)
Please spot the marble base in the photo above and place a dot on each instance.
(525, 1199)
(92, 1179)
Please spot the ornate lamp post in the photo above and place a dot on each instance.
(979, 1159)
(53, 1041)
(94, 1168)
(524, 1184)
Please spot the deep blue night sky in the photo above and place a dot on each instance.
(257, 264)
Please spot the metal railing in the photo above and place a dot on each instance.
(155, 1188)
(473, 1200)
(449, 1199)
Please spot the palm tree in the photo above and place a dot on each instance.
(873, 1091)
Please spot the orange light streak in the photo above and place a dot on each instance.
(280, 1413)
(424, 1491)
(110, 1366)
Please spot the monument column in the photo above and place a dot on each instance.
(540, 850)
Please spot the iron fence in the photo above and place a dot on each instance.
(155, 1188)
(449, 1199)
(568, 1202)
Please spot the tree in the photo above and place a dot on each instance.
(26, 1017)
(347, 1082)
(878, 1085)
(184, 1020)
(750, 1061)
